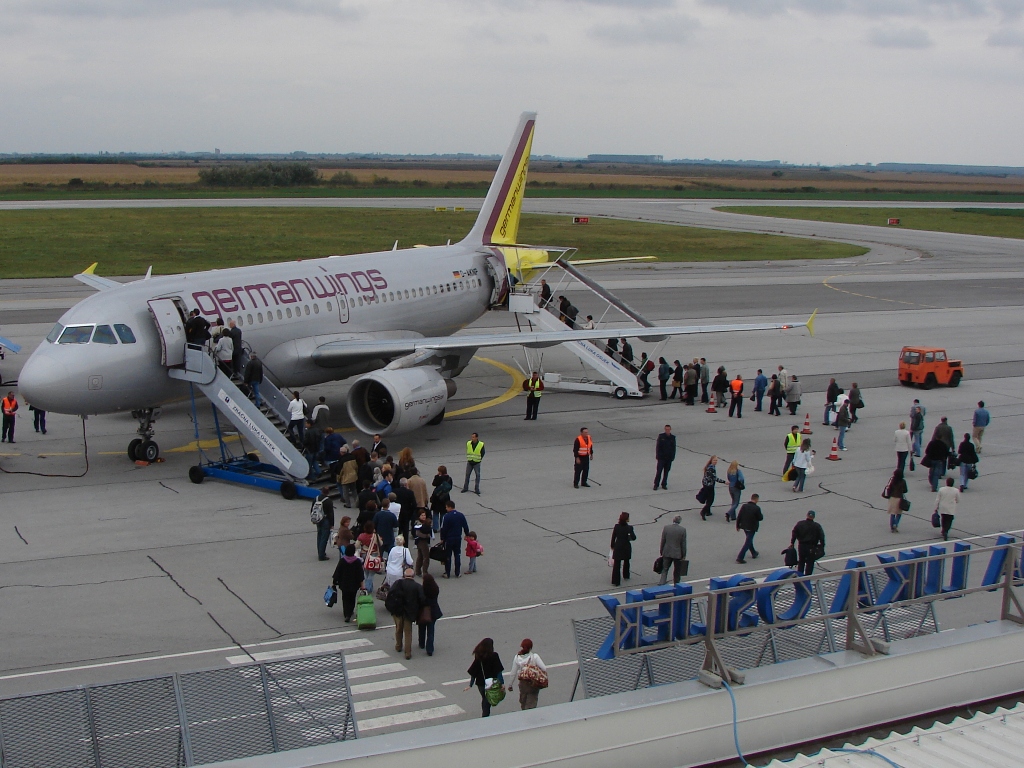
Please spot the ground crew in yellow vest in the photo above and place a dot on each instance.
(792, 443)
(534, 386)
(474, 455)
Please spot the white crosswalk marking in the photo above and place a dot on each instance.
(407, 718)
(381, 669)
(386, 685)
(398, 701)
(306, 650)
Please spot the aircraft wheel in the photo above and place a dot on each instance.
(148, 451)
(620, 393)
(133, 449)
(196, 474)
(288, 490)
(437, 419)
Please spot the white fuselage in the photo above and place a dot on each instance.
(285, 311)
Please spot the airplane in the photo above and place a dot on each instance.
(387, 318)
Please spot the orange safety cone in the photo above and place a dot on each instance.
(807, 426)
(711, 408)
(834, 455)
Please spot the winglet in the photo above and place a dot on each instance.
(91, 270)
(810, 321)
(89, 277)
(498, 222)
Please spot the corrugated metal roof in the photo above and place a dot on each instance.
(985, 741)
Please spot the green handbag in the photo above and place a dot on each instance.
(496, 693)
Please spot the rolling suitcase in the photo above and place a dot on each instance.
(366, 612)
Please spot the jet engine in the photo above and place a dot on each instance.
(390, 402)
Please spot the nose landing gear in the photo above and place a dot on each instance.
(143, 447)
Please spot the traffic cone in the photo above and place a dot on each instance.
(807, 426)
(711, 408)
(834, 455)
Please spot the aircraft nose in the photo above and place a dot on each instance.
(44, 383)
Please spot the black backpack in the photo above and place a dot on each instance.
(394, 603)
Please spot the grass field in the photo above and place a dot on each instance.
(966, 221)
(127, 242)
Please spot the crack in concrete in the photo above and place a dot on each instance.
(161, 482)
(78, 584)
(253, 610)
(19, 534)
(492, 509)
(174, 580)
(564, 536)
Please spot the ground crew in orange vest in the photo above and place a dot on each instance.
(534, 386)
(736, 390)
(9, 406)
(583, 451)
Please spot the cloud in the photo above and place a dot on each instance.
(104, 9)
(871, 8)
(667, 30)
(899, 37)
(1007, 37)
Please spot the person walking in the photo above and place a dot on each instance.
(486, 666)
(705, 378)
(348, 579)
(583, 452)
(979, 421)
(453, 527)
(689, 393)
(237, 350)
(677, 380)
(664, 454)
(968, 455)
(322, 508)
(903, 440)
(369, 550)
(475, 453)
(533, 386)
(422, 534)
(9, 406)
(947, 501)
(404, 600)
(719, 385)
(749, 520)
(843, 421)
(737, 483)
(296, 419)
(736, 393)
(803, 461)
(348, 476)
(856, 401)
(944, 432)
(38, 418)
(321, 414)
(430, 612)
(419, 489)
(783, 375)
(809, 538)
(399, 558)
(672, 550)
(760, 387)
(895, 491)
(440, 496)
(775, 395)
(830, 400)
(916, 428)
(521, 672)
(545, 294)
(936, 454)
(664, 374)
(378, 447)
(793, 394)
(645, 368)
(706, 495)
(621, 548)
(792, 443)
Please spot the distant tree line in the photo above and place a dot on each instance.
(261, 175)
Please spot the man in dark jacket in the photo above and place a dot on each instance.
(453, 526)
(253, 376)
(323, 528)
(705, 377)
(749, 520)
(404, 600)
(237, 351)
(408, 511)
(385, 522)
(809, 538)
(944, 432)
(831, 395)
(719, 386)
(664, 374)
(665, 453)
(936, 454)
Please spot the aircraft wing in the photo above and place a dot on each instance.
(338, 353)
(8, 344)
(90, 278)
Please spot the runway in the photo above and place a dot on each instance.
(132, 571)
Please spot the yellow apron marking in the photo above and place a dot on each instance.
(876, 298)
(512, 391)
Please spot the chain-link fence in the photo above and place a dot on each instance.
(183, 719)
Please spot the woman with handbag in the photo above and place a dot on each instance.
(621, 548)
(369, 550)
(734, 476)
(803, 464)
(487, 666)
(968, 456)
(529, 670)
(946, 504)
(895, 491)
(398, 558)
(348, 578)
(430, 612)
(706, 494)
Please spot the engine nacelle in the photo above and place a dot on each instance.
(391, 402)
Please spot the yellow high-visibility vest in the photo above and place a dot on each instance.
(535, 387)
(792, 442)
(474, 455)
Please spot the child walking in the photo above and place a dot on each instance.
(473, 550)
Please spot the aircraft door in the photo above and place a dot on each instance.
(498, 272)
(342, 307)
(171, 329)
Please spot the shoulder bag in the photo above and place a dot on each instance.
(904, 504)
(373, 562)
(534, 675)
(495, 693)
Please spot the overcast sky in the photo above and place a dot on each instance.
(829, 81)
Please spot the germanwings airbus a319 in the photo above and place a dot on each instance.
(385, 317)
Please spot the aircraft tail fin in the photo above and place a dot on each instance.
(498, 222)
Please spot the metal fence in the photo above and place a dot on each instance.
(668, 634)
(183, 719)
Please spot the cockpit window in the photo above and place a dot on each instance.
(124, 333)
(76, 334)
(104, 335)
(53, 335)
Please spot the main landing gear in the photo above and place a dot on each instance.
(143, 448)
